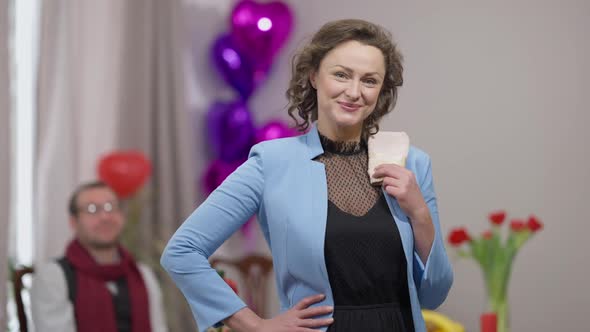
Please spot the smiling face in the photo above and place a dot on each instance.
(98, 222)
(348, 83)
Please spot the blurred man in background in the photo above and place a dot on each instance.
(97, 285)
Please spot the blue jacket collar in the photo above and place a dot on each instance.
(312, 139)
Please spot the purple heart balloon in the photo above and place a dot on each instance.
(215, 174)
(274, 129)
(235, 68)
(260, 30)
(230, 130)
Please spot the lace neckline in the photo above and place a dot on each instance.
(342, 147)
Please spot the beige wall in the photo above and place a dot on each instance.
(496, 93)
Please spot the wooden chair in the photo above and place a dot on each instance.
(17, 284)
(255, 272)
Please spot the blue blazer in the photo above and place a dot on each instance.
(282, 183)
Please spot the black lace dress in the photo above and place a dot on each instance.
(363, 249)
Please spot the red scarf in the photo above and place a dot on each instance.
(94, 309)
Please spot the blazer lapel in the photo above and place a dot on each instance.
(317, 200)
(404, 227)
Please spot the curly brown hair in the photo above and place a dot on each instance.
(303, 97)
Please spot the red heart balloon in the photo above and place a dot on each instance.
(124, 171)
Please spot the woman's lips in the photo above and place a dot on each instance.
(349, 107)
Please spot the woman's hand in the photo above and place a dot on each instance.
(299, 318)
(401, 183)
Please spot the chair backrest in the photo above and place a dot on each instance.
(17, 284)
(255, 272)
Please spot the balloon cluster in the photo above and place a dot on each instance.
(244, 58)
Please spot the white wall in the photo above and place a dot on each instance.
(5, 155)
(495, 92)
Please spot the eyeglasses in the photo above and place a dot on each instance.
(93, 208)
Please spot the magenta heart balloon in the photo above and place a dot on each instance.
(274, 129)
(260, 30)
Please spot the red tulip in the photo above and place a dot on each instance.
(518, 225)
(458, 236)
(487, 235)
(534, 224)
(124, 171)
(497, 217)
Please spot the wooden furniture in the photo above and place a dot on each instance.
(17, 284)
(255, 272)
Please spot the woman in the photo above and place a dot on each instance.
(348, 256)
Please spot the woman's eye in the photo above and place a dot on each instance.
(340, 75)
(371, 81)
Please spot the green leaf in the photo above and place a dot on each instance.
(463, 254)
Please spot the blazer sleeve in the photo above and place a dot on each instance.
(434, 279)
(186, 255)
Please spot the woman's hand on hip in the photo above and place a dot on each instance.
(300, 318)
(401, 183)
